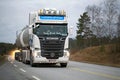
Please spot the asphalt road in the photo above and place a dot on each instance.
(14, 70)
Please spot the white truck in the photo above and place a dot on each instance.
(45, 39)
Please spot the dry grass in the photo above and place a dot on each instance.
(99, 54)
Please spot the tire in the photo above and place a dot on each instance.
(23, 60)
(63, 64)
(19, 59)
(27, 62)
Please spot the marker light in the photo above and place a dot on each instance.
(48, 11)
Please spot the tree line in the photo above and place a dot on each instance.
(99, 25)
(5, 48)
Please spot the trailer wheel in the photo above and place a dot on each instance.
(27, 62)
(63, 64)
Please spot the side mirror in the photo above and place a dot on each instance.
(18, 32)
(71, 30)
(27, 26)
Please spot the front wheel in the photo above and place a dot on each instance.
(63, 64)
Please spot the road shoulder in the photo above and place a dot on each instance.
(2, 60)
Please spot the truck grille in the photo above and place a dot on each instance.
(52, 49)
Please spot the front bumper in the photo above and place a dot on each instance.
(44, 60)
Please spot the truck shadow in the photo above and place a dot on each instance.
(47, 66)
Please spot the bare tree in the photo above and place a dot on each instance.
(95, 13)
(97, 21)
(118, 27)
(110, 14)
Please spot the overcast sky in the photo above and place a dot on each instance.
(14, 13)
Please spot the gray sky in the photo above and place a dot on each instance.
(14, 13)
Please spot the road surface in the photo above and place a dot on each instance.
(14, 70)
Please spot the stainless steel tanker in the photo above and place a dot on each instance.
(23, 37)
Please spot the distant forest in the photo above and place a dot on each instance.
(5, 48)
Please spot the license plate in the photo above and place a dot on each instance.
(52, 60)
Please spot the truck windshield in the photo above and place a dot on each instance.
(51, 29)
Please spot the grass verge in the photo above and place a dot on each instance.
(2, 60)
(103, 55)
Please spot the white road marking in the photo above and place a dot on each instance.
(15, 65)
(22, 70)
(35, 77)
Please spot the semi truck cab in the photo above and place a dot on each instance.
(46, 37)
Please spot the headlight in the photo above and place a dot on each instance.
(66, 54)
(35, 54)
